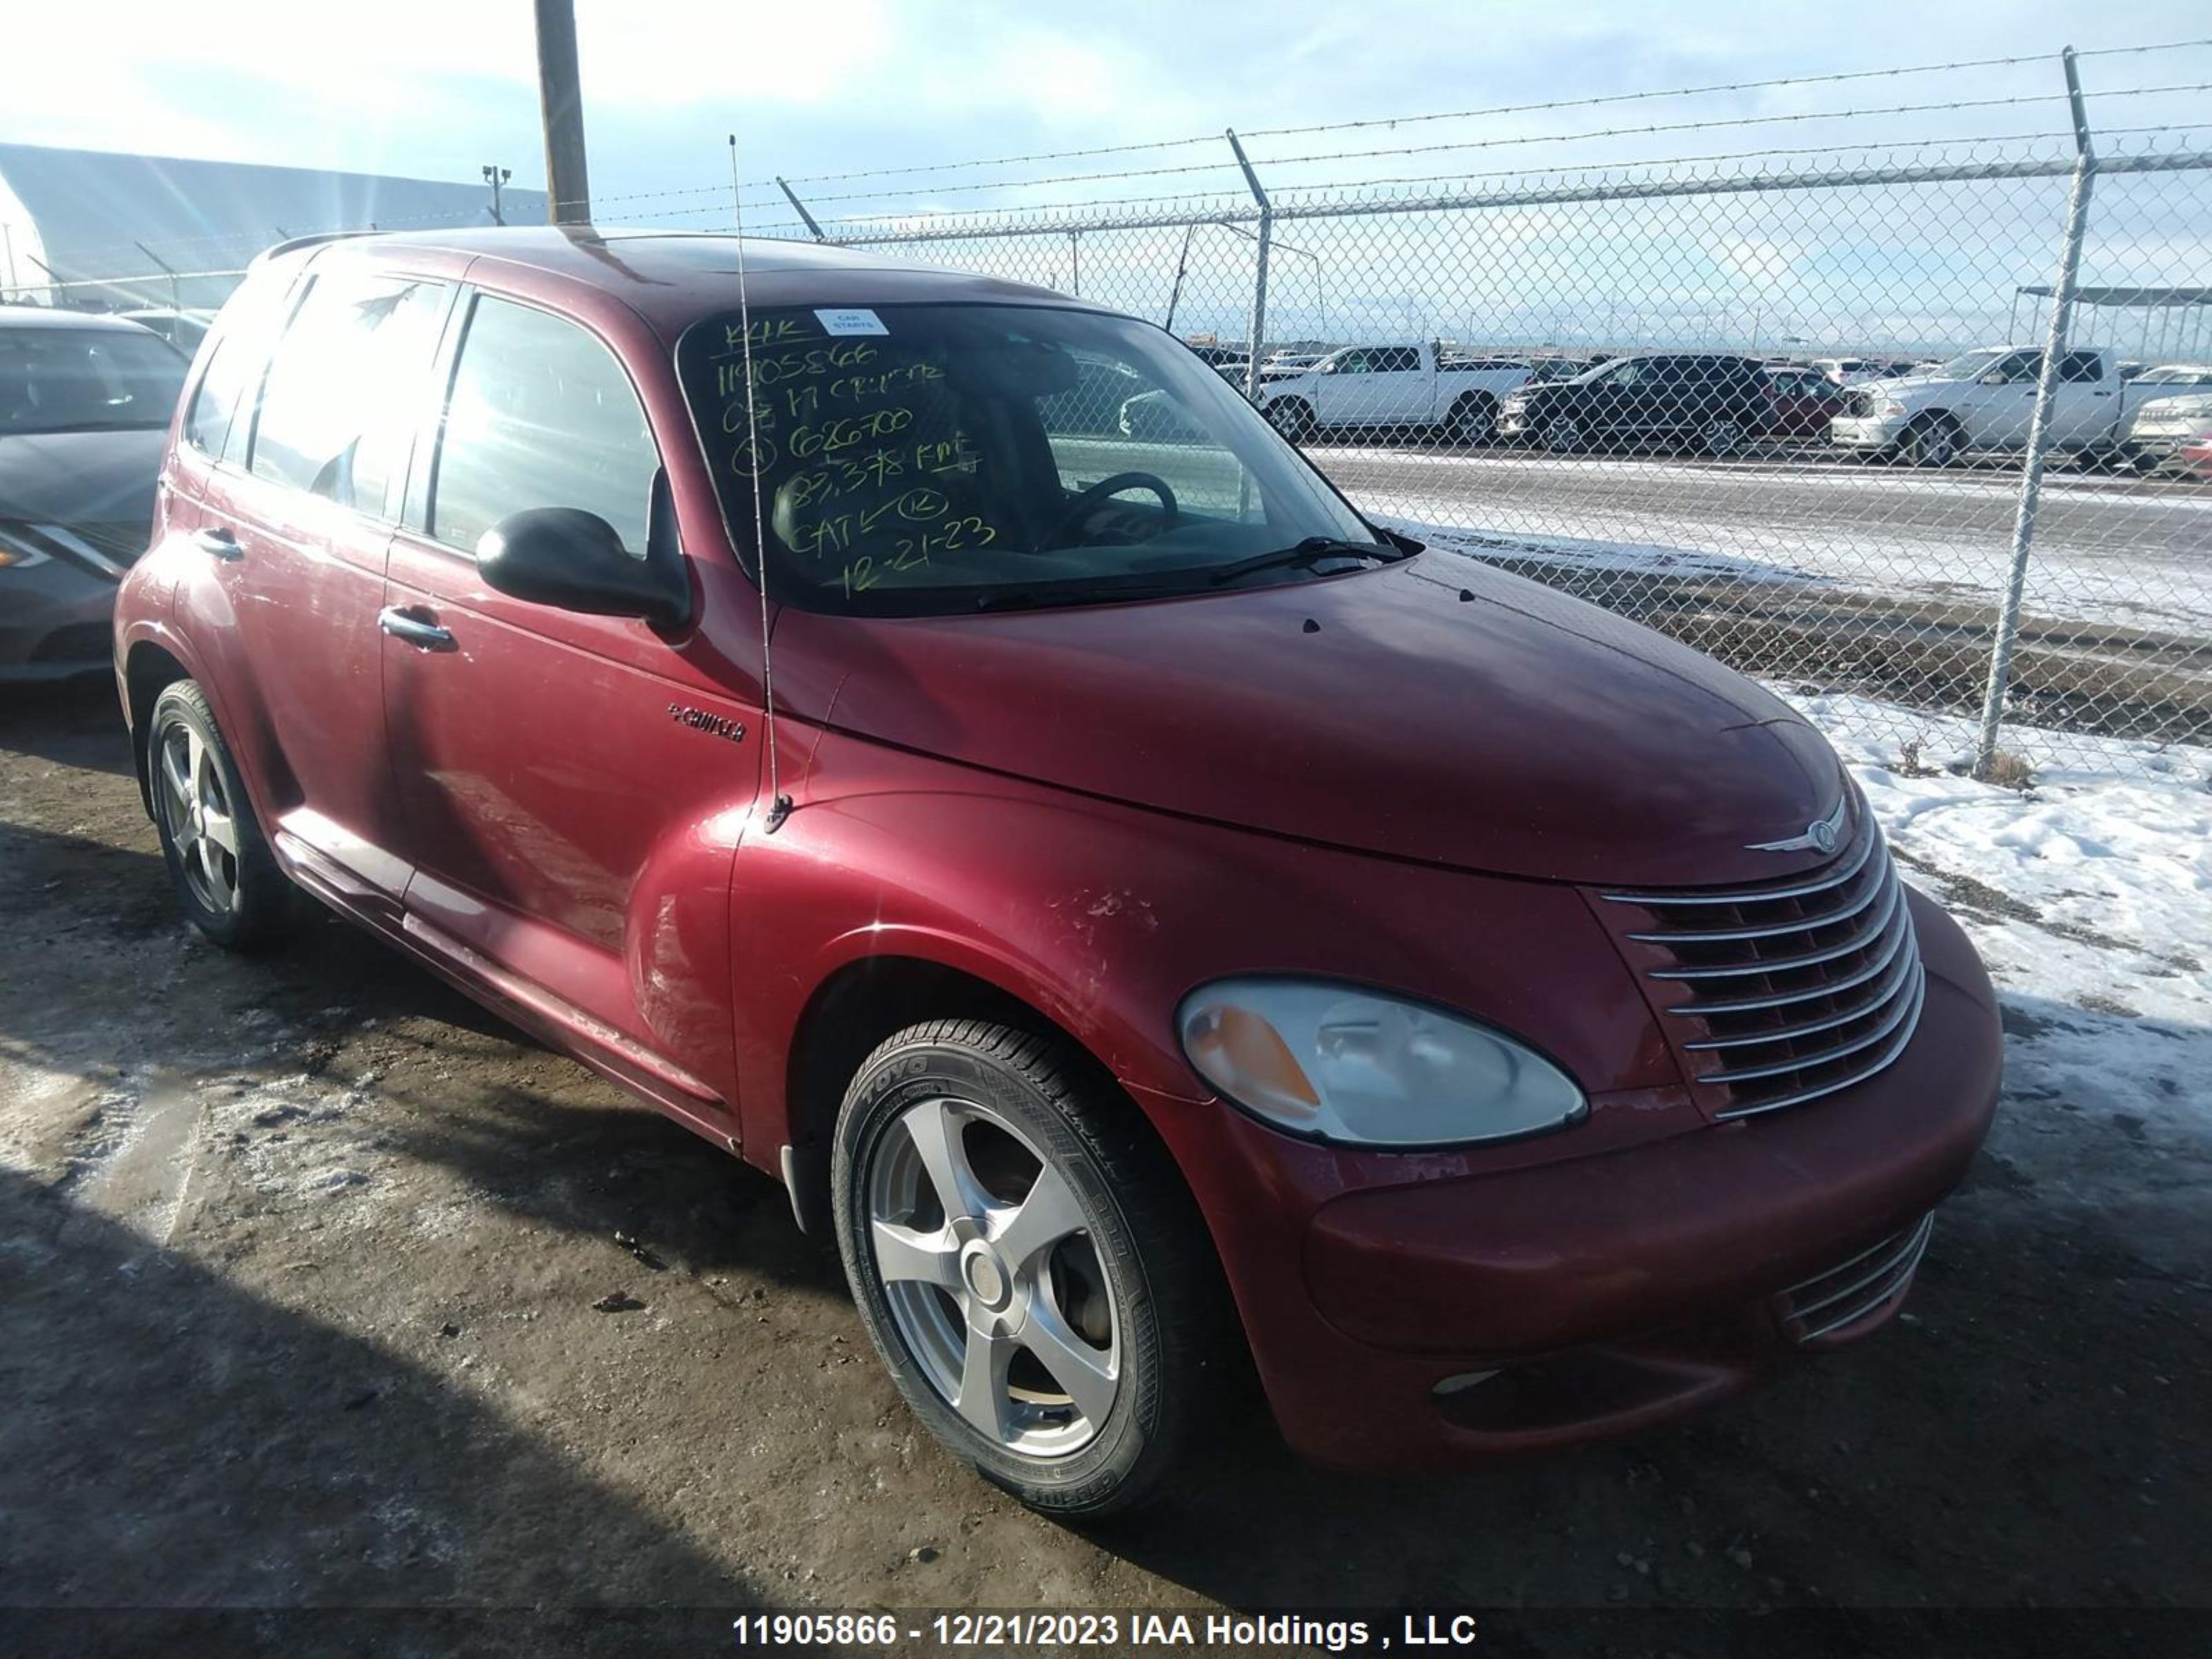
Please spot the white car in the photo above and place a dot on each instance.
(1394, 387)
(1985, 400)
(2166, 426)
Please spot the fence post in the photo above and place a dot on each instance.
(1259, 269)
(799, 208)
(2038, 430)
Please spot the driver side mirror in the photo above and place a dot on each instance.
(1996, 377)
(571, 560)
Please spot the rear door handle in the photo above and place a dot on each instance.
(219, 542)
(423, 636)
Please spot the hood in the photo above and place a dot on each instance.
(81, 477)
(1437, 710)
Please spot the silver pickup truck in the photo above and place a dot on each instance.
(1985, 400)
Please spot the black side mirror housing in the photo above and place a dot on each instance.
(571, 560)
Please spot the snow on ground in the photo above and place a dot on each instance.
(2090, 896)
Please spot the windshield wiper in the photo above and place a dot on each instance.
(1306, 554)
(1074, 594)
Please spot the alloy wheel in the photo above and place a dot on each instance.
(197, 814)
(984, 1254)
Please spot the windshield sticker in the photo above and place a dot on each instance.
(850, 322)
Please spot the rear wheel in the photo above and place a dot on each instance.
(1721, 436)
(1473, 419)
(1027, 1264)
(226, 877)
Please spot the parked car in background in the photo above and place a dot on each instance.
(1710, 401)
(184, 330)
(2166, 427)
(2173, 378)
(2195, 457)
(1225, 360)
(1850, 371)
(1543, 371)
(1028, 971)
(1397, 388)
(84, 402)
(1804, 401)
(1985, 400)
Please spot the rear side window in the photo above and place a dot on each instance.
(345, 385)
(221, 417)
(541, 415)
(2078, 368)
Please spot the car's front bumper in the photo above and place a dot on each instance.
(55, 622)
(1433, 1320)
(1866, 431)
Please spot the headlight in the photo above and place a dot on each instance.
(17, 551)
(1337, 1063)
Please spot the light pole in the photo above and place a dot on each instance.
(496, 176)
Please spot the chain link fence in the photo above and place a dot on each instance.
(1789, 404)
(1637, 385)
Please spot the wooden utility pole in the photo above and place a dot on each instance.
(560, 100)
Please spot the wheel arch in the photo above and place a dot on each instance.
(149, 668)
(868, 998)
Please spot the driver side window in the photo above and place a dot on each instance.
(540, 415)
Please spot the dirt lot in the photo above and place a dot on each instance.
(299, 1258)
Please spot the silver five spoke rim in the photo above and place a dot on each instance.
(196, 810)
(987, 1261)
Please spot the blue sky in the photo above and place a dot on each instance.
(435, 88)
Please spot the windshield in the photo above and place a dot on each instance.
(62, 380)
(1973, 366)
(926, 459)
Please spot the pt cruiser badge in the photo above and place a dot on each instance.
(1821, 836)
(699, 720)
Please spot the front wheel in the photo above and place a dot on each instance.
(1929, 441)
(1026, 1263)
(1563, 435)
(1291, 417)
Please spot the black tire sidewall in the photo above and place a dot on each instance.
(1094, 1479)
(264, 895)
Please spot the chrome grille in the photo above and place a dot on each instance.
(1777, 995)
(1852, 1289)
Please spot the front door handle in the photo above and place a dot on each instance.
(219, 542)
(423, 636)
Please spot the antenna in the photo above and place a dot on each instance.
(779, 803)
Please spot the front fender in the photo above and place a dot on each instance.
(1103, 917)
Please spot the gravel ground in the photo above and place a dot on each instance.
(304, 1270)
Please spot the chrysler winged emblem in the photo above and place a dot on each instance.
(1822, 835)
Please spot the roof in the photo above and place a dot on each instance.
(84, 214)
(2127, 296)
(39, 317)
(672, 278)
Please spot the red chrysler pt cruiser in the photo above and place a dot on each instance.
(1147, 914)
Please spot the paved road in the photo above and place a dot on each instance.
(2101, 544)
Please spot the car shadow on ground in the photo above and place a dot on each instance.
(172, 1441)
(73, 722)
